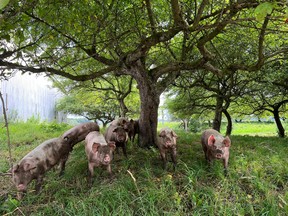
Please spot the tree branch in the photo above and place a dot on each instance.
(177, 15)
(176, 66)
(150, 16)
(8, 65)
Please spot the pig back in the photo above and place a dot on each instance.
(47, 154)
(207, 133)
(109, 135)
(94, 137)
(119, 122)
(79, 132)
(116, 134)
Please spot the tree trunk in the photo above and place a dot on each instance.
(149, 116)
(229, 120)
(150, 100)
(281, 130)
(218, 114)
(123, 108)
(185, 122)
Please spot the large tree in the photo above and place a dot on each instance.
(150, 41)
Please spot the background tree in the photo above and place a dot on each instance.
(101, 99)
(268, 94)
(152, 42)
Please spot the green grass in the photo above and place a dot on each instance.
(256, 183)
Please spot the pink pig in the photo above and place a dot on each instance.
(215, 146)
(98, 152)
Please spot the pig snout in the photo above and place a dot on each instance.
(219, 153)
(106, 159)
(168, 143)
(21, 187)
(121, 138)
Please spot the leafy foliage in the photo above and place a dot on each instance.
(102, 99)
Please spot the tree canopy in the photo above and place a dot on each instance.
(151, 41)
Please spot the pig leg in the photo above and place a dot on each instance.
(225, 163)
(173, 156)
(62, 165)
(124, 149)
(163, 156)
(91, 174)
(39, 182)
(117, 149)
(109, 169)
(205, 152)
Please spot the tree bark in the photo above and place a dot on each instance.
(229, 120)
(123, 108)
(150, 100)
(218, 114)
(185, 122)
(281, 130)
(148, 120)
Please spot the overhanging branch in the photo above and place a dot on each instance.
(48, 70)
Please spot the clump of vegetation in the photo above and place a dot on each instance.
(256, 183)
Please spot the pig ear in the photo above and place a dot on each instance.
(211, 140)
(174, 134)
(112, 145)
(13, 169)
(227, 142)
(29, 165)
(95, 147)
(162, 134)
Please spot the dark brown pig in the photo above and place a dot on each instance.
(79, 132)
(215, 146)
(37, 162)
(98, 152)
(167, 143)
(132, 129)
(118, 135)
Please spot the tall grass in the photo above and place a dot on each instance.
(256, 183)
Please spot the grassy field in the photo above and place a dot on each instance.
(256, 183)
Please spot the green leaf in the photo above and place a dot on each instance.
(263, 9)
(3, 3)
(286, 12)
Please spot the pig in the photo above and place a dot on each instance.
(121, 121)
(132, 129)
(118, 135)
(37, 162)
(215, 146)
(98, 152)
(79, 132)
(167, 143)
